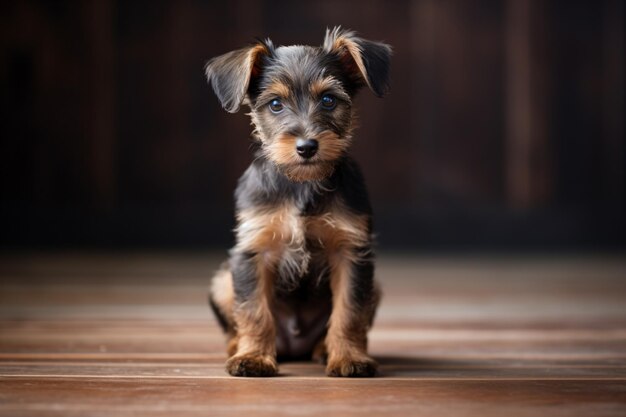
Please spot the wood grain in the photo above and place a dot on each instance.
(130, 334)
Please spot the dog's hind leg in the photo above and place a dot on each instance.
(221, 300)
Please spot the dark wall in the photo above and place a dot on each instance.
(504, 126)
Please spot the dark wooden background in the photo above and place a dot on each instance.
(504, 127)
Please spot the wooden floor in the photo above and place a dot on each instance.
(130, 334)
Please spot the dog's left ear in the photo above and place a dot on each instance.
(231, 73)
(366, 61)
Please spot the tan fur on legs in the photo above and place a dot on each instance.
(256, 332)
(347, 332)
(341, 233)
(276, 236)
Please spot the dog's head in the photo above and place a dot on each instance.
(300, 97)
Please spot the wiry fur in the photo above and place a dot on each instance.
(300, 279)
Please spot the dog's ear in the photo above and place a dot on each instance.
(367, 62)
(230, 74)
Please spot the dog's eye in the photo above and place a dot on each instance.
(329, 102)
(276, 106)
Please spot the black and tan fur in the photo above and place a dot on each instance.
(300, 280)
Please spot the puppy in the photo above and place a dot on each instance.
(299, 282)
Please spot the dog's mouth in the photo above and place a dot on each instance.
(308, 162)
(307, 170)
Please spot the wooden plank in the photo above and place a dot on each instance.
(390, 369)
(280, 396)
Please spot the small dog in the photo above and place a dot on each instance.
(299, 282)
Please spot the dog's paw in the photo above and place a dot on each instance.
(251, 365)
(354, 368)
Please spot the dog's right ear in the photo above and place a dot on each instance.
(366, 61)
(230, 74)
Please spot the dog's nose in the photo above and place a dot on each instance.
(306, 148)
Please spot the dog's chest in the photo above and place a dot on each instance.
(293, 240)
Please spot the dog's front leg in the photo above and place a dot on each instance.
(355, 298)
(253, 280)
